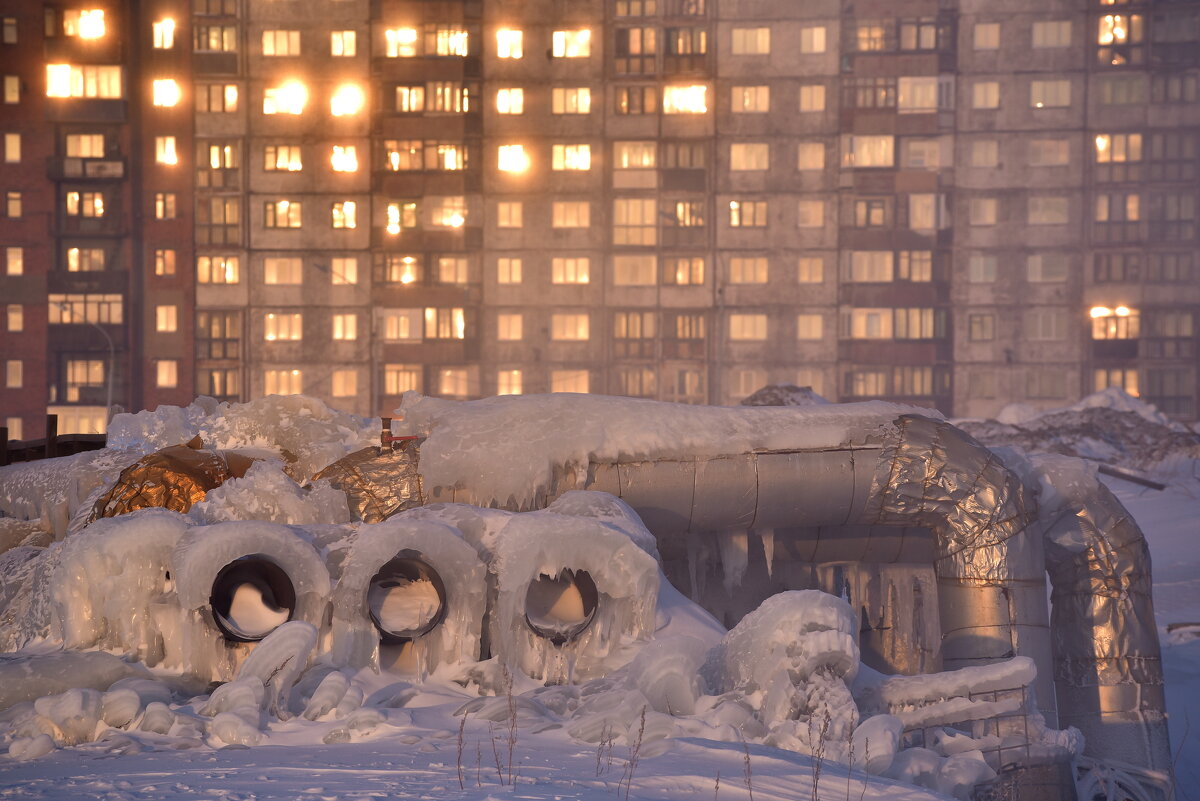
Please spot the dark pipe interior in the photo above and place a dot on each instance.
(561, 607)
(235, 613)
(403, 571)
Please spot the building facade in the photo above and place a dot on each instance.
(943, 203)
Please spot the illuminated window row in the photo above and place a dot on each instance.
(510, 43)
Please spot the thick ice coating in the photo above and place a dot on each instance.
(439, 547)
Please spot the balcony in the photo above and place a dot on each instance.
(75, 169)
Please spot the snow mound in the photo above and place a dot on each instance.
(785, 395)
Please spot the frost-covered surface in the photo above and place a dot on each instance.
(534, 436)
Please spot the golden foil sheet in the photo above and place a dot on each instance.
(378, 482)
(173, 478)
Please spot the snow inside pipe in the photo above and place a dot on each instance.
(406, 599)
(561, 607)
(251, 597)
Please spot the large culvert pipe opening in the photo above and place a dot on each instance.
(561, 607)
(251, 597)
(406, 599)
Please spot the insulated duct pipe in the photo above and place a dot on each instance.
(989, 556)
(1108, 663)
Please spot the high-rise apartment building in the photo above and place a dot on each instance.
(948, 203)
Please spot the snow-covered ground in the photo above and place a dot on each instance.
(621, 736)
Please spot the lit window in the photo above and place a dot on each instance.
(83, 308)
(569, 327)
(572, 214)
(508, 382)
(454, 382)
(570, 381)
(445, 324)
(987, 35)
(748, 270)
(812, 97)
(1119, 323)
(1052, 34)
(868, 151)
(812, 40)
(216, 38)
(84, 23)
(410, 99)
(401, 216)
(747, 213)
(401, 269)
(345, 327)
(635, 221)
(164, 150)
(217, 98)
(982, 211)
(747, 327)
(69, 80)
(985, 94)
(509, 214)
(14, 261)
(509, 327)
(572, 44)
(509, 43)
(282, 270)
(343, 270)
(283, 327)
(448, 212)
(452, 270)
(15, 427)
(344, 383)
(14, 374)
(755, 156)
(282, 214)
(401, 378)
(683, 270)
(570, 270)
(451, 42)
(348, 99)
(1118, 148)
(345, 214)
(287, 98)
(751, 41)
(510, 101)
(281, 43)
(283, 382)
(166, 92)
(12, 89)
(85, 204)
(508, 270)
(9, 36)
(12, 148)
(571, 100)
(1050, 94)
(164, 262)
(920, 94)
(634, 155)
(344, 158)
(450, 97)
(282, 157)
(810, 270)
(512, 158)
(343, 43)
(164, 34)
(571, 157)
(400, 42)
(751, 99)
(13, 206)
(685, 99)
(809, 326)
(217, 270)
(164, 205)
(166, 318)
(85, 260)
(16, 317)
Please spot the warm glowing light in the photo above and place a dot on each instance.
(393, 218)
(1122, 311)
(456, 220)
(1101, 311)
(408, 273)
(165, 152)
(166, 92)
(58, 80)
(89, 25)
(289, 97)
(512, 158)
(348, 99)
(344, 158)
(685, 99)
(571, 44)
(164, 34)
(509, 43)
(1102, 142)
(401, 42)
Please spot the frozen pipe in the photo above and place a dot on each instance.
(1108, 665)
(561, 607)
(406, 599)
(251, 597)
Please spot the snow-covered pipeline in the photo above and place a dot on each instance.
(1100, 654)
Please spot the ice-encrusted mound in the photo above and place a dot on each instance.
(52, 490)
(1109, 426)
(201, 555)
(355, 640)
(784, 395)
(112, 585)
(266, 492)
(537, 547)
(541, 438)
(303, 429)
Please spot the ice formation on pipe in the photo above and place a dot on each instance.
(249, 552)
(441, 548)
